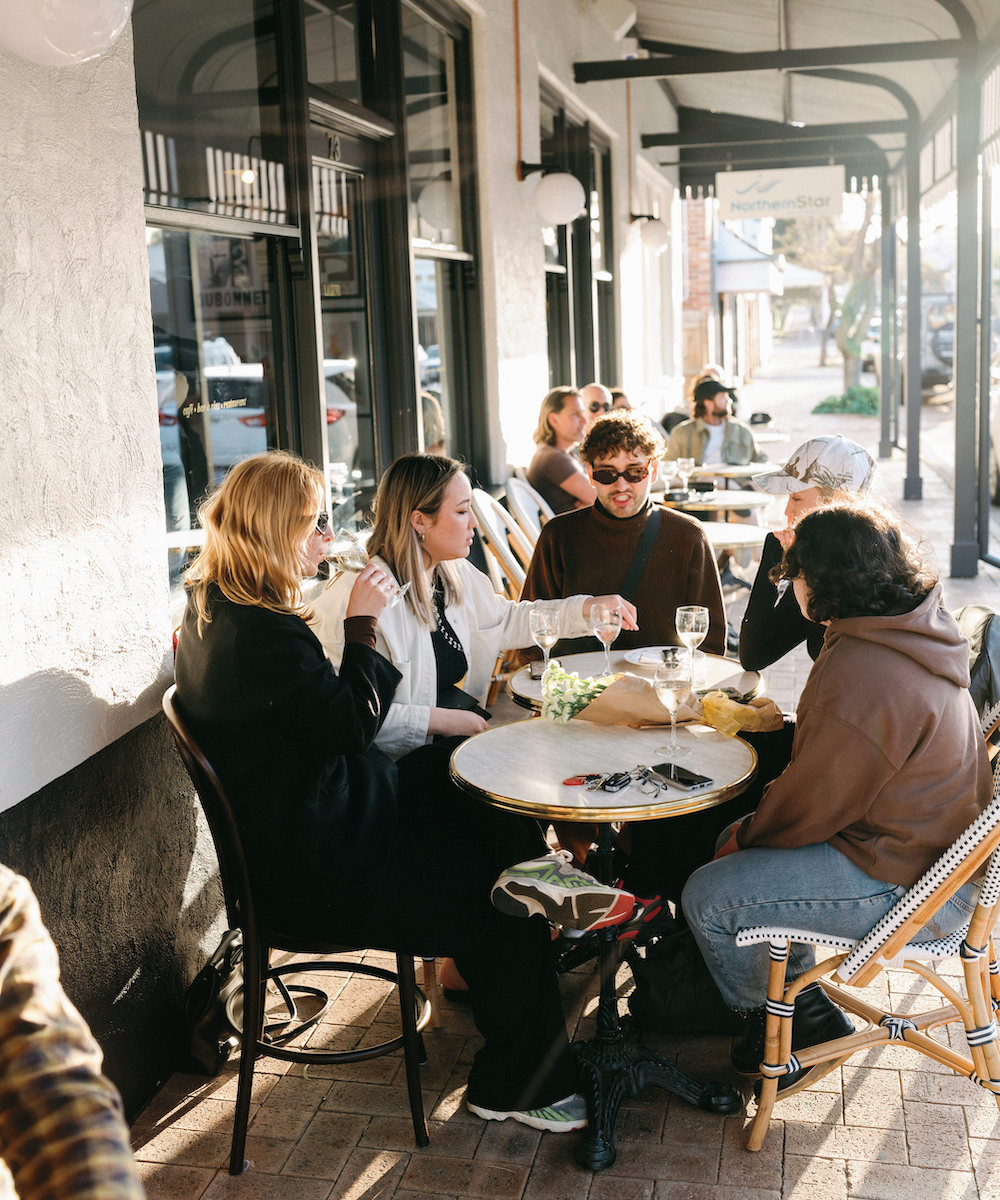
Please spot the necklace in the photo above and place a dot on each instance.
(443, 627)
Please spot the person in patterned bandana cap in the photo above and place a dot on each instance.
(820, 471)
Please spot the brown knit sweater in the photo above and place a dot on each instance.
(590, 551)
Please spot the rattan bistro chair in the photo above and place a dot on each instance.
(508, 550)
(258, 943)
(530, 510)
(887, 945)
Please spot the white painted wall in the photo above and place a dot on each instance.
(83, 638)
(554, 35)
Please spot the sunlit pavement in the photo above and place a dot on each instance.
(898, 1128)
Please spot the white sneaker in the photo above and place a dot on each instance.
(561, 1117)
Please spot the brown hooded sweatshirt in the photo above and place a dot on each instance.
(888, 763)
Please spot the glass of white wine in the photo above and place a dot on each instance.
(684, 468)
(691, 623)
(672, 680)
(605, 625)
(347, 553)
(543, 621)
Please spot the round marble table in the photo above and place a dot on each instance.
(521, 767)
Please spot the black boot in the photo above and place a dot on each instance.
(816, 1019)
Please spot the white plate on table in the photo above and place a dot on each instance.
(648, 657)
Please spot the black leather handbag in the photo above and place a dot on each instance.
(213, 1007)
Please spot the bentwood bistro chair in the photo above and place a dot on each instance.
(258, 944)
(855, 963)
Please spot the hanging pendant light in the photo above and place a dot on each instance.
(655, 233)
(61, 33)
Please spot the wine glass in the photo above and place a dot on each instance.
(684, 468)
(543, 621)
(672, 680)
(605, 624)
(691, 623)
(347, 552)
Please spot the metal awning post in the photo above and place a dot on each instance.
(887, 374)
(913, 485)
(965, 357)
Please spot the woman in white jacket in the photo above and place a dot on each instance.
(451, 626)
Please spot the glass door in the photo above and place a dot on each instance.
(346, 382)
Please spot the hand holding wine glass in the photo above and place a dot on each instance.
(347, 552)
(605, 624)
(672, 680)
(543, 621)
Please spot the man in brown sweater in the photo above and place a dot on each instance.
(599, 544)
(590, 550)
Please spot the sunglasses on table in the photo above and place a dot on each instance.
(597, 406)
(608, 475)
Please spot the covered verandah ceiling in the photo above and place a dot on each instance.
(809, 81)
(764, 84)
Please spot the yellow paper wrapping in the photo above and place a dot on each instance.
(728, 716)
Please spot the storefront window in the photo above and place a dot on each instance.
(332, 46)
(206, 82)
(431, 133)
(347, 390)
(213, 345)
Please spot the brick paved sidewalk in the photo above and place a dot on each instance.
(899, 1129)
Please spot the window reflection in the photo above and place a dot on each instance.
(213, 349)
(350, 431)
(437, 400)
(432, 137)
(206, 83)
(332, 46)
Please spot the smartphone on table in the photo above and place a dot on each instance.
(682, 777)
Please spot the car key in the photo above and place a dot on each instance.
(617, 781)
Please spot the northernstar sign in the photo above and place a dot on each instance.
(791, 192)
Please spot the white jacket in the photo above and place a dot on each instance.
(486, 624)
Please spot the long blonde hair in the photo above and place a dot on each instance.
(414, 482)
(254, 524)
(554, 401)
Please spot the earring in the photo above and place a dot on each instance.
(421, 536)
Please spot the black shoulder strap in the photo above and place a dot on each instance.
(641, 556)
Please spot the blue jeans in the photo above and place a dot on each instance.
(810, 887)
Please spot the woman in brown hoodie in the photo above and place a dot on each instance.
(888, 767)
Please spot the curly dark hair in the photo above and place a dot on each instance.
(620, 430)
(856, 562)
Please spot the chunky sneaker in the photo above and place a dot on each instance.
(563, 894)
(639, 927)
(561, 1117)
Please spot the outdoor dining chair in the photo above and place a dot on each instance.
(529, 508)
(505, 544)
(858, 961)
(259, 942)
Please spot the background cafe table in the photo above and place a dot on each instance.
(714, 672)
(716, 501)
(521, 767)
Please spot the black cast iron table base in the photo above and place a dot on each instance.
(614, 1065)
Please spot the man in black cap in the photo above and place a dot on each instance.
(713, 435)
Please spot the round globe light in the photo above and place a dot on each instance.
(59, 33)
(559, 198)
(655, 235)
(436, 204)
